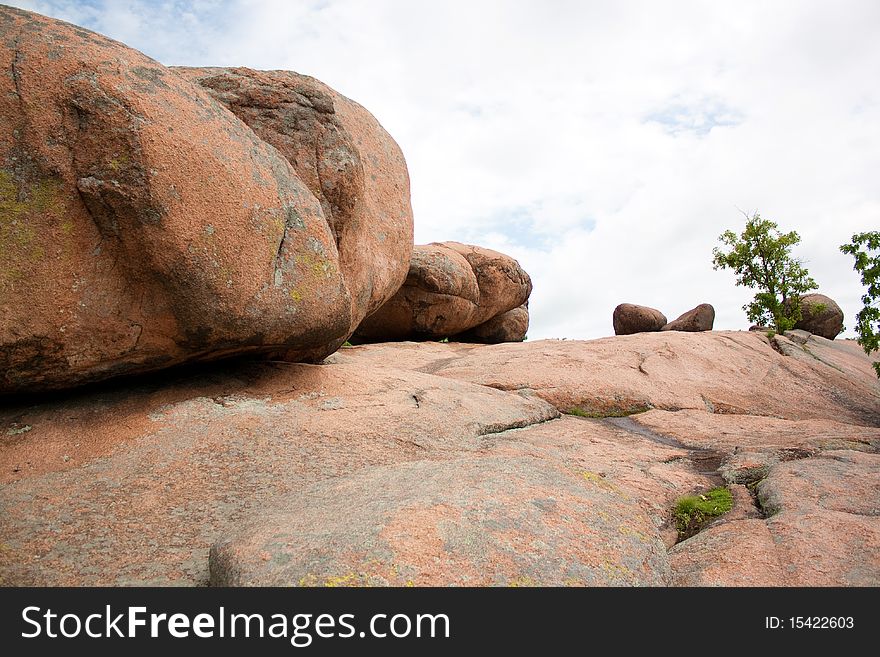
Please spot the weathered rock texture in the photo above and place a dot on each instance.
(436, 464)
(491, 520)
(346, 159)
(628, 318)
(143, 225)
(701, 318)
(451, 288)
(820, 315)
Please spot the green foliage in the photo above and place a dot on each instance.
(692, 512)
(761, 259)
(865, 248)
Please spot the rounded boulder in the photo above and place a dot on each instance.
(143, 225)
(451, 288)
(820, 315)
(701, 318)
(629, 318)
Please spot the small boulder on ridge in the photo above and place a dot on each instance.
(820, 315)
(701, 318)
(630, 318)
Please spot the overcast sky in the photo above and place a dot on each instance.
(605, 145)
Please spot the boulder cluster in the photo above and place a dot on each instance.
(820, 315)
(630, 318)
(153, 216)
(457, 291)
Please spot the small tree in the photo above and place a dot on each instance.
(868, 266)
(761, 259)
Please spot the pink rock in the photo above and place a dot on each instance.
(146, 226)
(732, 372)
(451, 288)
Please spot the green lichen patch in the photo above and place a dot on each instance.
(23, 207)
(19, 200)
(18, 429)
(693, 512)
(523, 581)
(347, 580)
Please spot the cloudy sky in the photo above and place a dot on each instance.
(605, 145)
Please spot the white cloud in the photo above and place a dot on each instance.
(618, 138)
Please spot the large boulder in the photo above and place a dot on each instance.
(701, 318)
(511, 326)
(820, 315)
(450, 288)
(143, 225)
(350, 164)
(629, 318)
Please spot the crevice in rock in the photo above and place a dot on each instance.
(501, 427)
(703, 461)
(756, 500)
(794, 453)
(699, 511)
(746, 345)
(822, 360)
(437, 365)
(709, 405)
(774, 344)
(863, 514)
(630, 425)
(14, 72)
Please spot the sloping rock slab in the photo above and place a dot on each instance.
(845, 356)
(728, 433)
(739, 553)
(734, 372)
(477, 522)
(131, 486)
(843, 480)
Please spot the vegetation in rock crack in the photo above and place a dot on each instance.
(761, 258)
(865, 248)
(692, 512)
(613, 412)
